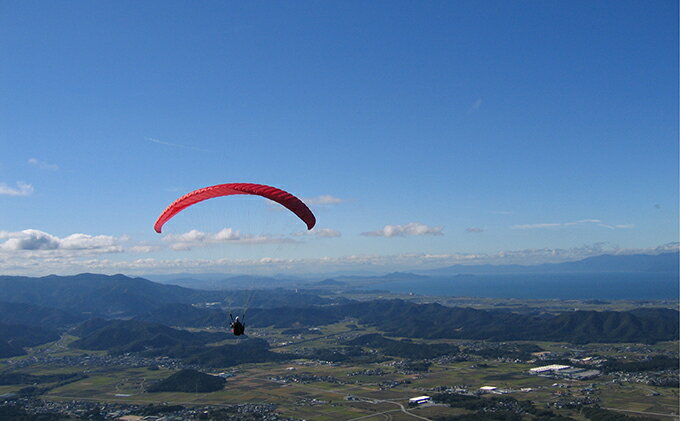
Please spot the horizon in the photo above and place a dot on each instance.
(164, 277)
(421, 136)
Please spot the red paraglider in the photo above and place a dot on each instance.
(284, 198)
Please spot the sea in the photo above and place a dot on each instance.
(600, 286)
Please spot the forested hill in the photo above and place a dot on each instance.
(32, 315)
(119, 336)
(13, 338)
(399, 318)
(405, 349)
(188, 381)
(406, 319)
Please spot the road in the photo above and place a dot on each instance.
(311, 339)
(402, 408)
(675, 416)
(361, 398)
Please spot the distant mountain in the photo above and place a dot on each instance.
(358, 283)
(329, 283)
(397, 276)
(168, 278)
(189, 381)
(632, 263)
(122, 296)
(393, 276)
(217, 281)
(93, 293)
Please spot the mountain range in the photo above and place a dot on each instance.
(606, 263)
(34, 310)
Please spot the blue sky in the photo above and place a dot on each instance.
(422, 134)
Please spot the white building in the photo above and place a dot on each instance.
(419, 400)
(548, 368)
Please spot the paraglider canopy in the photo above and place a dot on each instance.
(284, 198)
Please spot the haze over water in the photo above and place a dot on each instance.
(607, 286)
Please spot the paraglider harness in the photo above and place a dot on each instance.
(237, 327)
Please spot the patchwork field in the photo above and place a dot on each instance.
(308, 389)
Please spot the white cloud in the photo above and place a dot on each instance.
(32, 240)
(22, 189)
(43, 165)
(195, 238)
(227, 234)
(324, 199)
(475, 105)
(319, 232)
(619, 226)
(327, 233)
(28, 240)
(89, 242)
(570, 224)
(187, 237)
(410, 229)
(556, 224)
